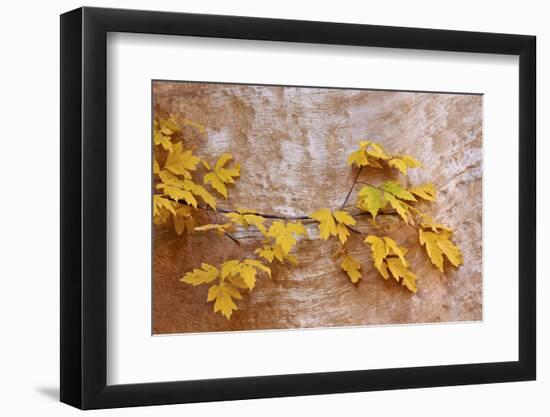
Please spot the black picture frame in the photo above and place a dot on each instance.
(84, 207)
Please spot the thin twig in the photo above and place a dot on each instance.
(351, 188)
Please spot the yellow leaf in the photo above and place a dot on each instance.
(257, 264)
(200, 127)
(180, 162)
(426, 191)
(399, 206)
(359, 158)
(229, 268)
(217, 227)
(156, 166)
(351, 266)
(342, 232)
(243, 271)
(284, 235)
(246, 220)
(344, 217)
(221, 175)
(177, 194)
(383, 252)
(169, 125)
(163, 140)
(202, 192)
(183, 220)
(411, 162)
(207, 274)
(428, 239)
(399, 164)
(378, 249)
(397, 190)
(371, 199)
(327, 226)
(226, 174)
(401, 272)
(396, 250)
(223, 295)
(451, 251)
(161, 203)
(429, 223)
(438, 244)
(216, 183)
(266, 252)
(377, 151)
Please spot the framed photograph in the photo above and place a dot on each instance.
(257, 208)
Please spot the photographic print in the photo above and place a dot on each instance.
(285, 207)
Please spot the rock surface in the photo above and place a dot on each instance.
(292, 144)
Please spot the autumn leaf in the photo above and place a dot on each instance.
(399, 164)
(180, 189)
(267, 252)
(379, 251)
(161, 203)
(328, 225)
(183, 220)
(377, 151)
(358, 158)
(245, 219)
(168, 126)
(199, 126)
(401, 208)
(221, 229)
(401, 272)
(425, 191)
(411, 162)
(371, 199)
(222, 175)
(393, 194)
(180, 162)
(178, 193)
(404, 162)
(437, 245)
(397, 190)
(284, 234)
(242, 274)
(429, 223)
(389, 257)
(351, 266)
(222, 294)
(163, 140)
(206, 274)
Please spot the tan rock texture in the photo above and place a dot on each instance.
(292, 144)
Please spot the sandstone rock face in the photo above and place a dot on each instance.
(292, 144)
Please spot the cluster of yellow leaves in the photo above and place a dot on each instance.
(245, 218)
(162, 132)
(374, 155)
(281, 239)
(179, 190)
(333, 224)
(222, 175)
(233, 276)
(388, 258)
(435, 238)
(375, 198)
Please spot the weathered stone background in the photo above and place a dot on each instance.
(292, 144)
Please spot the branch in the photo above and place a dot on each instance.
(351, 188)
